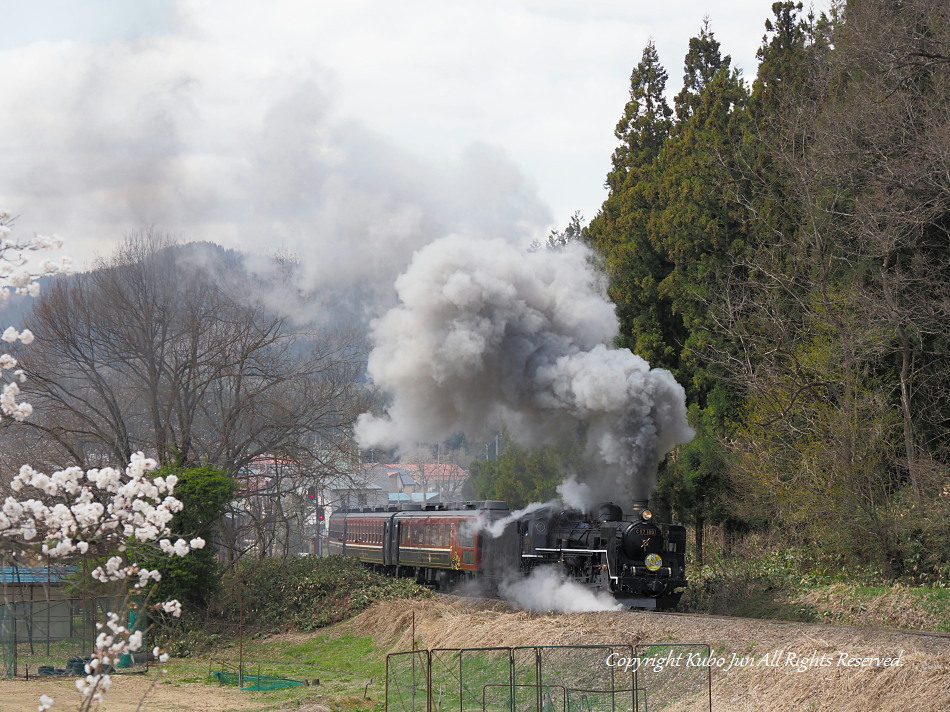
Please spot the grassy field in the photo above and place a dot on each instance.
(339, 670)
(343, 666)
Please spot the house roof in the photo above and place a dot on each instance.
(431, 470)
(412, 496)
(341, 483)
(404, 478)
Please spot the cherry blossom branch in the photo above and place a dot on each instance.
(105, 511)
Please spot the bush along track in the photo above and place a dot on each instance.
(307, 593)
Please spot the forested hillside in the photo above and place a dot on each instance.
(782, 246)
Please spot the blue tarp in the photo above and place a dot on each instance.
(35, 574)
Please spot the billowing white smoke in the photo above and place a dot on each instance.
(548, 589)
(495, 528)
(488, 336)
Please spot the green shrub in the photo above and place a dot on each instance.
(754, 586)
(194, 579)
(306, 593)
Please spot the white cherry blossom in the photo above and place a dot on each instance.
(109, 511)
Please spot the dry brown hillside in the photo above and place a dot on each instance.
(921, 682)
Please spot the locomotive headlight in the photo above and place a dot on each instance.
(646, 515)
(653, 562)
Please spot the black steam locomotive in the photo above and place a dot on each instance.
(638, 561)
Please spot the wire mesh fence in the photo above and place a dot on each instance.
(56, 637)
(673, 677)
(569, 678)
(409, 682)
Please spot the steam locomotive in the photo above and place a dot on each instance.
(638, 561)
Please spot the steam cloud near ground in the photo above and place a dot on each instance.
(548, 589)
(486, 335)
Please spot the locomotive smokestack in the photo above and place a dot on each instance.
(609, 512)
(639, 505)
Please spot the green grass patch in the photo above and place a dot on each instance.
(937, 601)
(344, 654)
(280, 606)
(340, 670)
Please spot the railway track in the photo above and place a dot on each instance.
(802, 624)
(798, 625)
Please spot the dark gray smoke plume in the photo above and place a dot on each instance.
(486, 336)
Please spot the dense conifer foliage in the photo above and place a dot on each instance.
(782, 246)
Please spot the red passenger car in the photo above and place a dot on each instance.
(438, 545)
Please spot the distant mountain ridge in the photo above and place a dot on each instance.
(16, 307)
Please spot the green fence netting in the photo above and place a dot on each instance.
(254, 682)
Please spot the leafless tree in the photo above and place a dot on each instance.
(280, 497)
(165, 348)
(887, 143)
(437, 469)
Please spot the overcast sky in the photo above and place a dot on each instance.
(311, 125)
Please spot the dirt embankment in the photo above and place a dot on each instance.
(794, 666)
(129, 693)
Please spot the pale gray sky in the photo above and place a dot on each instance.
(312, 125)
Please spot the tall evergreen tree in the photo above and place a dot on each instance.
(666, 231)
(699, 230)
(702, 63)
(619, 231)
(646, 120)
(699, 224)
